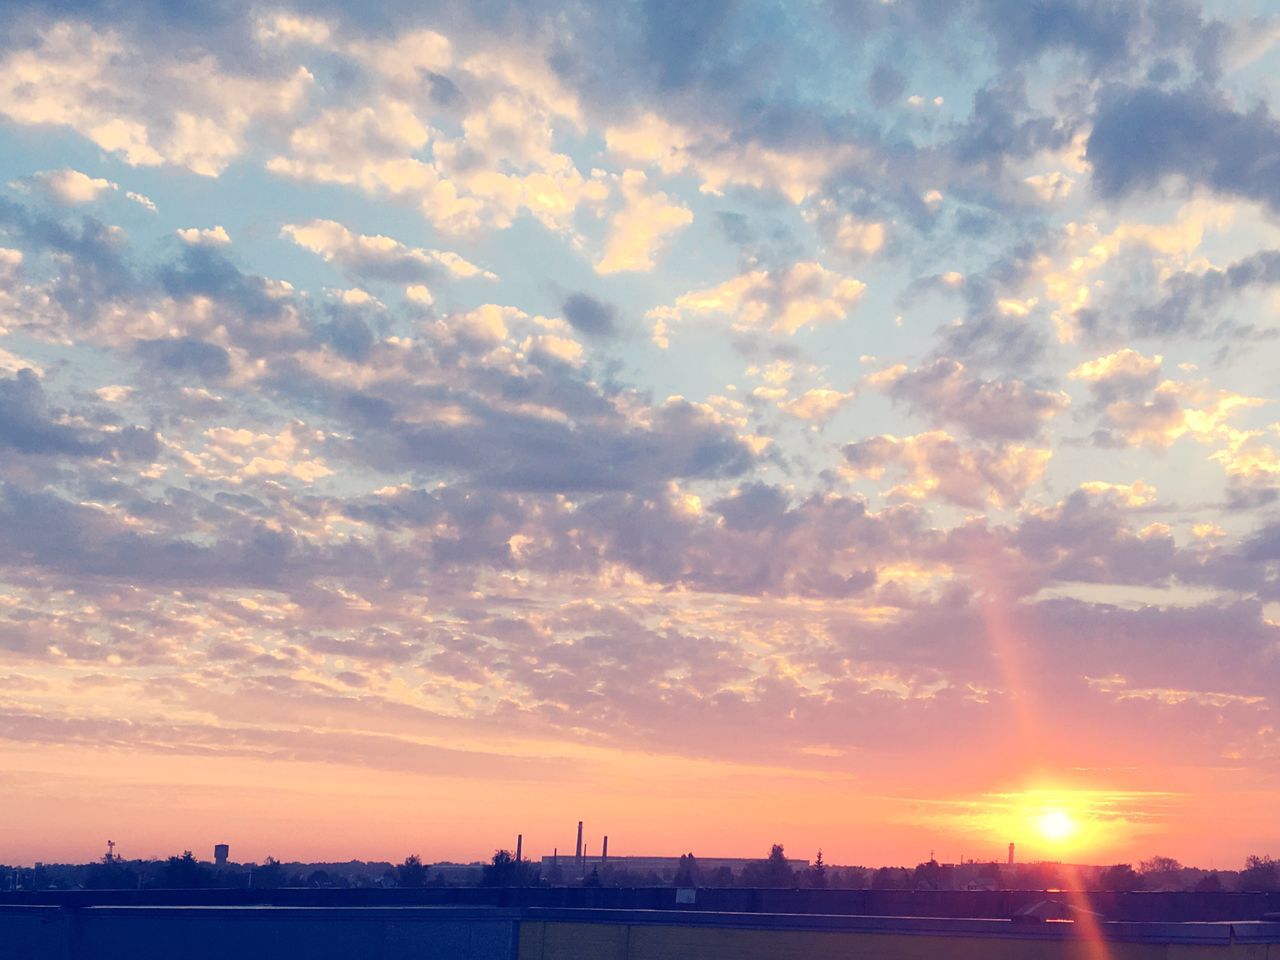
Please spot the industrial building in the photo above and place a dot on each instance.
(581, 864)
(664, 867)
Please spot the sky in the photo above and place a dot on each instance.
(850, 425)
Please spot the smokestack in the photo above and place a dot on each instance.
(519, 846)
(604, 851)
(1011, 853)
(578, 855)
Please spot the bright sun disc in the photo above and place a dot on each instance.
(1056, 825)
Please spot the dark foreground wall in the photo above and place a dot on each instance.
(992, 904)
(256, 933)
(416, 933)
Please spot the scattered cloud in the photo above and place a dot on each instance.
(71, 187)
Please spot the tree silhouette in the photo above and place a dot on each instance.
(184, 873)
(721, 876)
(1160, 873)
(816, 875)
(270, 875)
(687, 871)
(1120, 878)
(411, 873)
(1159, 865)
(1260, 873)
(888, 878)
(927, 876)
(774, 871)
(505, 871)
(1209, 883)
(110, 873)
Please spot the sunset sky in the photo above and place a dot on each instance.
(845, 424)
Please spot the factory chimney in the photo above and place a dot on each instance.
(1011, 853)
(519, 847)
(578, 855)
(604, 851)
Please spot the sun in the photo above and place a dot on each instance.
(1056, 825)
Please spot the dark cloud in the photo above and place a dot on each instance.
(187, 355)
(1192, 296)
(886, 84)
(203, 270)
(1264, 545)
(517, 451)
(676, 34)
(349, 334)
(1142, 135)
(1000, 409)
(29, 424)
(43, 530)
(1099, 30)
(591, 316)
(1087, 539)
(1001, 127)
(92, 266)
(1245, 495)
(988, 338)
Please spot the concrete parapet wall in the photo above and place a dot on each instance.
(996, 904)
(426, 933)
(255, 933)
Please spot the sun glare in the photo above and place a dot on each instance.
(1056, 826)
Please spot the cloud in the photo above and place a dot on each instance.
(886, 84)
(1171, 411)
(721, 160)
(30, 424)
(590, 316)
(816, 405)
(946, 393)
(141, 200)
(1251, 459)
(235, 453)
(213, 236)
(641, 228)
(207, 361)
(1143, 135)
(856, 237)
(1191, 295)
(1099, 31)
(283, 28)
(935, 465)
(71, 187)
(378, 256)
(148, 109)
(503, 109)
(12, 363)
(530, 450)
(782, 301)
(1125, 373)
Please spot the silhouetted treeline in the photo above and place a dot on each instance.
(184, 871)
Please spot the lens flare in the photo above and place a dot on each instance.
(1056, 825)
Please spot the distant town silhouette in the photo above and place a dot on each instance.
(775, 870)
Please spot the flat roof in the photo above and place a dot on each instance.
(1118, 931)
